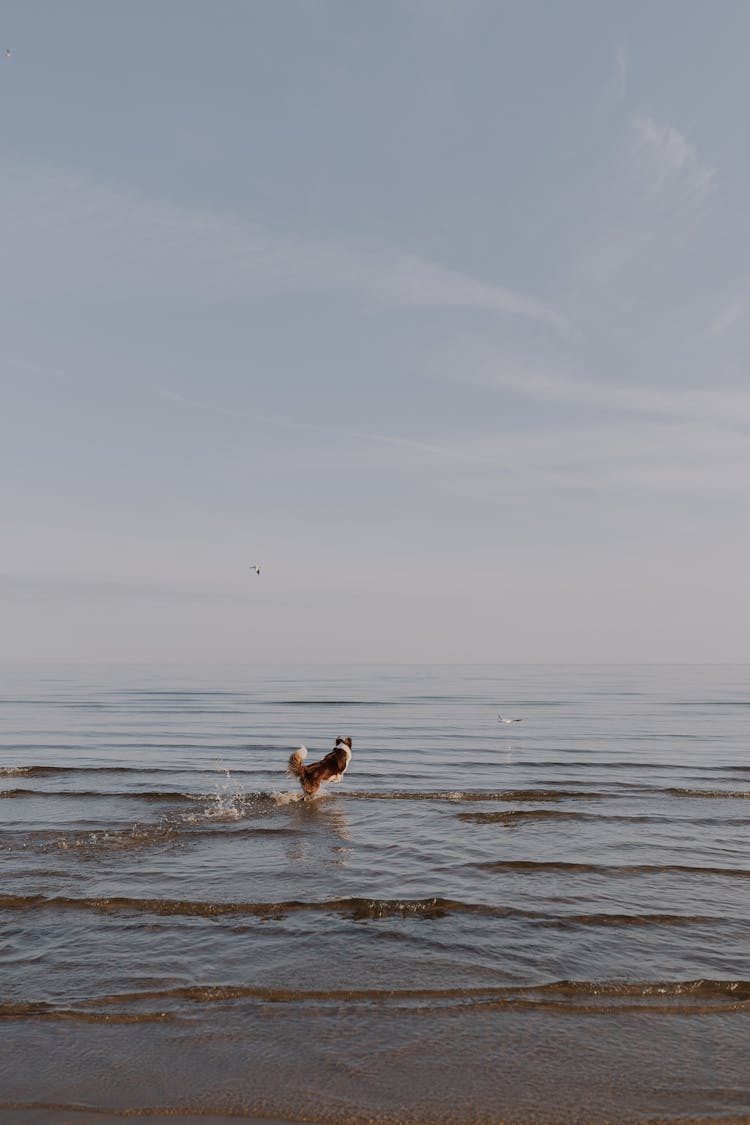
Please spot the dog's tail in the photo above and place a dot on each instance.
(295, 767)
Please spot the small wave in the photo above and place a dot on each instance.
(81, 1015)
(519, 816)
(78, 794)
(357, 909)
(729, 793)
(524, 816)
(731, 990)
(51, 771)
(702, 987)
(458, 795)
(534, 866)
(282, 798)
(145, 771)
(333, 703)
(565, 996)
(711, 703)
(175, 693)
(565, 921)
(596, 763)
(19, 771)
(139, 837)
(232, 805)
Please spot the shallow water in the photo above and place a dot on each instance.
(545, 920)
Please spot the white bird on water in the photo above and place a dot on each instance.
(255, 568)
(502, 720)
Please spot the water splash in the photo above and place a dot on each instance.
(288, 798)
(228, 803)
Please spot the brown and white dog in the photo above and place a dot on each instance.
(330, 768)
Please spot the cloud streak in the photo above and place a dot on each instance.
(729, 407)
(443, 453)
(668, 162)
(665, 450)
(71, 236)
(505, 458)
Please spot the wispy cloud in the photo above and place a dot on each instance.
(631, 455)
(733, 310)
(433, 450)
(71, 235)
(652, 441)
(668, 162)
(654, 208)
(727, 407)
(412, 282)
(613, 437)
(501, 458)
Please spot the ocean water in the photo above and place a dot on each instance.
(544, 921)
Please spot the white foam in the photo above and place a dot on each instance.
(286, 798)
(228, 803)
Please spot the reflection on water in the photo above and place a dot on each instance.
(321, 826)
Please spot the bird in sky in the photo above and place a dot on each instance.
(7, 52)
(502, 720)
(255, 568)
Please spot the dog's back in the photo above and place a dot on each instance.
(330, 768)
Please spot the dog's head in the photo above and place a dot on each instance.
(344, 742)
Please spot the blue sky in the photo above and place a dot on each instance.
(438, 311)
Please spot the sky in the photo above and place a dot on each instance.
(437, 312)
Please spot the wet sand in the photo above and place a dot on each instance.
(436, 1068)
(78, 1117)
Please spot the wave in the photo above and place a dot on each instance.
(225, 822)
(153, 795)
(279, 748)
(458, 795)
(520, 816)
(81, 1015)
(711, 703)
(513, 817)
(731, 793)
(53, 771)
(176, 693)
(688, 997)
(595, 763)
(332, 702)
(139, 837)
(210, 771)
(218, 773)
(613, 790)
(534, 866)
(357, 909)
(371, 795)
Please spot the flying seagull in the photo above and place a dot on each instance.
(502, 720)
(255, 568)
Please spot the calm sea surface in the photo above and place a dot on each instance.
(541, 921)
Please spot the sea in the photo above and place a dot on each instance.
(541, 921)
